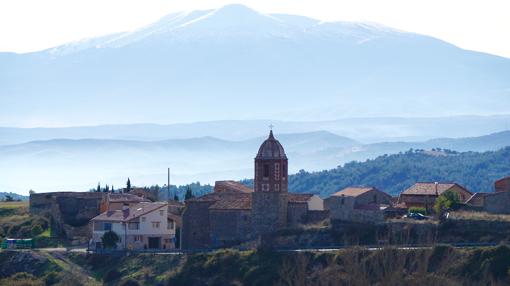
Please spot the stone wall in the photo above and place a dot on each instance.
(497, 203)
(229, 227)
(296, 214)
(269, 211)
(196, 225)
(69, 212)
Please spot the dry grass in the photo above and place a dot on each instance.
(466, 215)
(13, 205)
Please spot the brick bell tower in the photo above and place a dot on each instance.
(270, 196)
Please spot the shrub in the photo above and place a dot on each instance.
(446, 201)
(422, 211)
(36, 230)
(111, 275)
(110, 239)
(129, 282)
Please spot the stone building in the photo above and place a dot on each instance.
(502, 185)
(497, 202)
(424, 194)
(235, 213)
(359, 204)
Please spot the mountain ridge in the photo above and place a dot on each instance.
(247, 71)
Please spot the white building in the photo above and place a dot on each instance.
(143, 226)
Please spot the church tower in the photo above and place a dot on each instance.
(270, 197)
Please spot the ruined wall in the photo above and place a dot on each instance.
(69, 212)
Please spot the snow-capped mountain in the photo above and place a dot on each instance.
(234, 62)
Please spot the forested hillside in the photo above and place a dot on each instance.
(395, 173)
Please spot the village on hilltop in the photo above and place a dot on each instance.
(235, 215)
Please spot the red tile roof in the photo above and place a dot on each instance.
(299, 198)
(116, 198)
(353, 191)
(428, 188)
(130, 213)
(234, 201)
(231, 186)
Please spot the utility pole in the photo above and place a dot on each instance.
(168, 186)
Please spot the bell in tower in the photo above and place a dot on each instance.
(269, 200)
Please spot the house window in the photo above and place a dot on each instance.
(276, 187)
(155, 224)
(277, 171)
(107, 226)
(375, 199)
(170, 224)
(134, 225)
(265, 187)
(137, 238)
(161, 212)
(266, 171)
(284, 167)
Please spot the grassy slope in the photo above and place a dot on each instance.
(438, 266)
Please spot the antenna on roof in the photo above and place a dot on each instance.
(168, 186)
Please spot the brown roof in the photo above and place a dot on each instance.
(116, 198)
(299, 198)
(428, 188)
(353, 191)
(130, 213)
(231, 186)
(233, 201)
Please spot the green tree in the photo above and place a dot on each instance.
(189, 194)
(176, 198)
(110, 239)
(98, 187)
(445, 202)
(9, 198)
(128, 186)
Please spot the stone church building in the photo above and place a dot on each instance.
(234, 213)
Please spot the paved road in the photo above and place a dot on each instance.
(311, 249)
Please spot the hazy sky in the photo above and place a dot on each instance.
(29, 25)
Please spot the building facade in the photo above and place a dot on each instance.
(145, 225)
(359, 204)
(424, 194)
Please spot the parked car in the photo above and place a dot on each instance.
(417, 216)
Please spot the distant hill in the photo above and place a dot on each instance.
(234, 62)
(394, 173)
(15, 196)
(78, 165)
(374, 129)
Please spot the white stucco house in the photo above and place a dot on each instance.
(145, 225)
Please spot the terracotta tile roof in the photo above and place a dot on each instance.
(353, 191)
(116, 198)
(299, 198)
(231, 186)
(130, 213)
(234, 201)
(429, 188)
